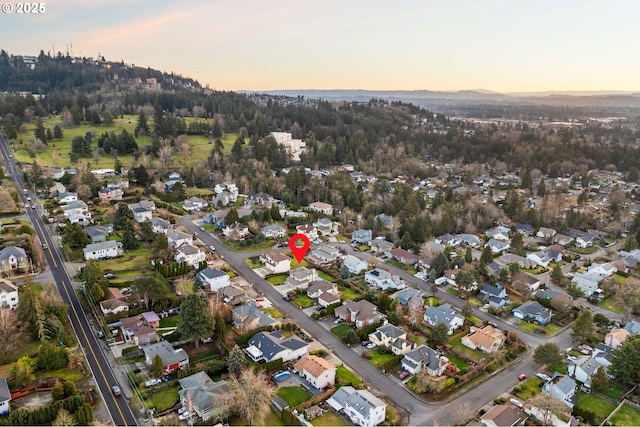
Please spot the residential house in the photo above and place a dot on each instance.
(632, 327)
(498, 233)
(77, 212)
(192, 255)
(555, 252)
(401, 346)
(497, 246)
(508, 415)
(546, 233)
(354, 264)
(447, 240)
(361, 236)
(13, 258)
(308, 230)
(324, 255)
(178, 238)
(301, 277)
(468, 239)
(214, 279)
(583, 368)
(194, 204)
(233, 295)
(521, 280)
(316, 370)
(236, 231)
(273, 231)
(561, 387)
(110, 192)
(603, 354)
(583, 239)
(525, 229)
(149, 204)
(114, 302)
(99, 233)
(8, 294)
(587, 282)
(5, 397)
(276, 263)
(161, 226)
(541, 258)
(102, 250)
(403, 256)
(329, 298)
(387, 334)
(508, 259)
(533, 310)
(67, 197)
(615, 337)
(140, 330)
(204, 397)
(228, 187)
(424, 358)
(321, 207)
(321, 287)
(362, 407)
(487, 339)
(380, 245)
(405, 295)
(562, 239)
(172, 359)
(443, 313)
(270, 346)
(141, 214)
(382, 279)
(326, 227)
(494, 295)
(362, 313)
(247, 317)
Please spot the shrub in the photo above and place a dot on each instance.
(367, 354)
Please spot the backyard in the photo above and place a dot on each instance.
(626, 416)
(472, 354)
(549, 328)
(293, 395)
(329, 418)
(602, 408)
(165, 398)
(380, 358)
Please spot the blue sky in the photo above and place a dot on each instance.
(506, 46)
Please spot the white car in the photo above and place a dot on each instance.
(371, 346)
(152, 382)
(182, 410)
(184, 416)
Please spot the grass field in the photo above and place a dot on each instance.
(325, 276)
(345, 377)
(472, 354)
(349, 294)
(431, 301)
(531, 387)
(613, 303)
(549, 328)
(615, 390)
(626, 416)
(58, 152)
(379, 358)
(273, 312)
(396, 264)
(329, 418)
(456, 361)
(601, 407)
(72, 375)
(341, 330)
(277, 279)
(302, 301)
(165, 399)
(293, 395)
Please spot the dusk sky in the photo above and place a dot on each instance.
(505, 46)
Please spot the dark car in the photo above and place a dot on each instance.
(116, 390)
(404, 374)
(44, 246)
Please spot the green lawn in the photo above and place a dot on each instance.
(293, 395)
(549, 328)
(612, 303)
(326, 276)
(273, 419)
(254, 262)
(363, 248)
(431, 301)
(296, 264)
(72, 375)
(456, 361)
(341, 330)
(615, 391)
(379, 358)
(213, 354)
(349, 294)
(169, 322)
(626, 416)
(166, 398)
(302, 301)
(345, 377)
(601, 407)
(273, 312)
(329, 418)
(396, 264)
(454, 292)
(531, 387)
(474, 320)
(277, 279)
(472, 354)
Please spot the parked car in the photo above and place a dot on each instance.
(184, 416)
(337, 321)
(365, 343)
(404, 374)
(522, 377)
(543, 377)
(152, 382)
(371, 345)
(116, 390)
(182, 410)
(44, 246)
(213, 248)
(201, 228)
(109, 276)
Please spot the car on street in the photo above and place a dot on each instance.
(522, 377)
(44, 246)
(201, 228)
(116, 390)
(404, 374)
(213, 248)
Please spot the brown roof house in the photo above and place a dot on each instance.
(316, 370)
(140, 330)
(362, 313)
(114, 302)
(487, 339)
(503, 415)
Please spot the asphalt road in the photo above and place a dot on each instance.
(420, 411)
(118, 406)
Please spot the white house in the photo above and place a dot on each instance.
(354, 264)
(190, 254)
(273, 231)
(497, 246)
(216, 279)
(8, 294)
(102, 250)
(293, 146)
(141, 214)
(561, 387)
(324, 255)
(67, 197)
(276, 262)
(361, 236)
(160, 226)
(5, 397)
(382, 279)
(178, 238)
(583, 369)
(193, 204)
(236, 231)
(308, 230)
(424, 358)
(324, 208)
(443, 313)
(270, 346)
(301, 277)
(316, 370)
(77, 212)
(321, 287)
(364, 409)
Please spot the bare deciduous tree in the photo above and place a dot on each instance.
(9, 329)
(253, 395)
(416, 309)
(463, 412)
(548, 407)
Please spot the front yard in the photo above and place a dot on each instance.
(548, 329)
(345, 377)
(529, 388)
(380, 358)
(277, 279)
(166, 398)
(302, 300)
(341, 330)
(471, 354)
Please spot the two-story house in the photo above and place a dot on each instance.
(236, 231)
(270, 346)
(203, 397)
(8, 294)
(276, 262)
(172, 359)
(362, 313)
(384, 280)
(354, 264)
(301, 277)
(362, 407)
(247, 317)
(102, 250)
(561, 387)
(190, 254)
(214, 279)
(361, 236)
(443, 313)
(178, 238)
(494, 295)
(319, 372)
(308, 230)
(487, 339)
(424, 358)
(324, 255)
(273, 231)
(13, 258)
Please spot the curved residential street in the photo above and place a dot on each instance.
(420, 412)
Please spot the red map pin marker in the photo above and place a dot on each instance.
(299, 251)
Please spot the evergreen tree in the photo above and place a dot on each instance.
(547, 354)
(556, 272)
(196, 321)
(344, 271)
(625, 362)
(468, 256)
(236, 361)
(583, 329)
(439, 334)
(157, 366)
(542, 188)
